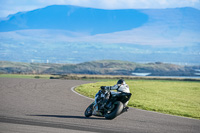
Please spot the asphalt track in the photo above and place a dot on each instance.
(40, 105)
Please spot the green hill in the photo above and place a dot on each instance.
(103, 67)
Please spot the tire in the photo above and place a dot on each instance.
(89, 110)
(116, 111)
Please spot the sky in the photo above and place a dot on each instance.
(8, 7)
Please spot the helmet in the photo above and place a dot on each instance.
(121, 81)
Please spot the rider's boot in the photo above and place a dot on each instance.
(125, 109)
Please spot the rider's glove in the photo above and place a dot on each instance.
(103, 87)
(119, 85)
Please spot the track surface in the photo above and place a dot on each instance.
(38, 105)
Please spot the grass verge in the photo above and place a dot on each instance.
(180, 98)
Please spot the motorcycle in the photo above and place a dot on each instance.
(114, 107)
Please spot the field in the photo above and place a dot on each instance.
(180, 98)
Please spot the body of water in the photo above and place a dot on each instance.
(147, 74)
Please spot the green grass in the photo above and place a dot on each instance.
(30, 76)
(180, 98)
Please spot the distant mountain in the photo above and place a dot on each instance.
(171, 27)
(176, 18)
(76, 19)
(61, 34)
(99, 21)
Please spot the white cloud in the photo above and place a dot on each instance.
(119, 4)
(12, 6)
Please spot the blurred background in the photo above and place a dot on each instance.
(161, 34)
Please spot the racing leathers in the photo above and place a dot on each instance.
(104, 95)
(120, 88)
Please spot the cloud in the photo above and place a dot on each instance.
(13, 6)
(121, 4)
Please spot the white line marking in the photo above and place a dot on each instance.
(80, 94)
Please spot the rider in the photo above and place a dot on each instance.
(121, 86)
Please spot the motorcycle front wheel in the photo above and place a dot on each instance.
(89, 110)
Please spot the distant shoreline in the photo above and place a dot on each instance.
(96, 77)
(195, 77)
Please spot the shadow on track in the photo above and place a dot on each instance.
(68, 116)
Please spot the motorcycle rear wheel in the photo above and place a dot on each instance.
(116, 111)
